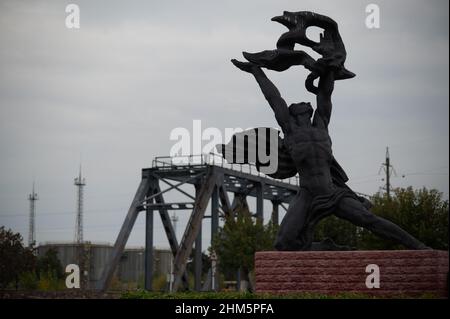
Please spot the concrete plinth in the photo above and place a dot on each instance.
(401, 272)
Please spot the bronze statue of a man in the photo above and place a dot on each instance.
(306, 140)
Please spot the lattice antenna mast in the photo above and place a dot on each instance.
(79, 183)
(33, 197)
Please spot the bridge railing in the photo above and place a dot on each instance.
(169, 162)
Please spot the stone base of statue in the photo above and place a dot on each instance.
(413, 273)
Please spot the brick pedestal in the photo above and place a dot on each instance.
(402, 272)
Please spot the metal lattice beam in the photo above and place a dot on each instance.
(168, 227)
(215, 182)
(124, 233)
(172, 206)
(193, 226)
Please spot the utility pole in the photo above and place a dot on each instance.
(387, 165)
(388, 169)
(174, 219)
(33, 197)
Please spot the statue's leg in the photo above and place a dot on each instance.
(293, 222)
(353, 210)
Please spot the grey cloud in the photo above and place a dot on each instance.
(113, 90)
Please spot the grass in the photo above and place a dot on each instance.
(236, 295)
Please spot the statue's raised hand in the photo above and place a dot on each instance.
(245, 66)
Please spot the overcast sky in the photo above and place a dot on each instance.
(111, 92)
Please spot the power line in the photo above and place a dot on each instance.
(97, 211)
(429, 172)
(364, 181)
(364, 177)
(426, 174)
(95, 227)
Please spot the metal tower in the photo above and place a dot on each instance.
(80, 183)
(33, 197)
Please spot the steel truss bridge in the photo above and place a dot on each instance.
(213, 180)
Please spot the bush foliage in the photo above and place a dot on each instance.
(423, 213)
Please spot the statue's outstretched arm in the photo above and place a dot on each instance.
(270, 91)
(324, 92)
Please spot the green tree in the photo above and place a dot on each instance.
(239, 239)
(338, 230)
(15, 259)
(423, 213)
(206, 263)
(49, 265)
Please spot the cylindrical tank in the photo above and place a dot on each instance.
(93, 257)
